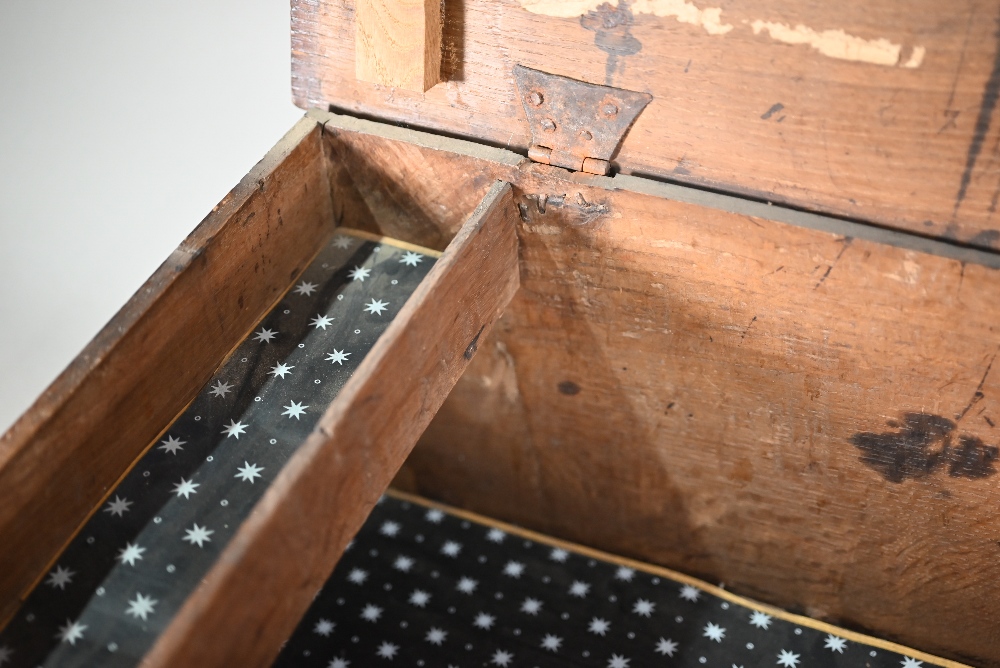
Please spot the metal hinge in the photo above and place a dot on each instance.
(575, 124)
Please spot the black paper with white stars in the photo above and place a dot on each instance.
(421, 587)
(120, 581)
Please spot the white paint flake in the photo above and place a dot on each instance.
(833, 43)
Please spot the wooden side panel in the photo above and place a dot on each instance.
(252, 600)
(879, 111)
(61, 457)
(398, 43)
(811, 418)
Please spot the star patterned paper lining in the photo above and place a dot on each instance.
(420, 586)
(122, 578)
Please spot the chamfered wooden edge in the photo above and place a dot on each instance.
(398, 43)
(644, 567)
(60, 459)
(266, 577)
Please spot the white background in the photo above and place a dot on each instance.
(121, 125)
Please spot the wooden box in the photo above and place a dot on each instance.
(760, 352)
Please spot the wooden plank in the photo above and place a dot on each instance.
(250, 602)
(81, 435)
(897, 126)
(758, 403)
(398, 43)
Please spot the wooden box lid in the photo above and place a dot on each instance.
(881, 112)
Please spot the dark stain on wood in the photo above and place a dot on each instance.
(612, 35)
(569, 388)
(921, 445)
(474, 344)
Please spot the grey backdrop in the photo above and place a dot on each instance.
(121, 125)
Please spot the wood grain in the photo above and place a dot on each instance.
(252, 600)
(397, 43)
(702, 389)
(60, 458)
(910, 148)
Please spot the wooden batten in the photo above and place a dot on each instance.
(881, 113)
(397, 43)
(323, 495)
(802, 408)
(63, 455)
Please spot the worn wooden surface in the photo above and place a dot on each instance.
(722, 394)
(60, 458)
(398, 43)
(252, 600)
(887, 117)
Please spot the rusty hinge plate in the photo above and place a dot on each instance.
(575, 124)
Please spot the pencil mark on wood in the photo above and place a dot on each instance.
(987, 104)
(978, 394)
(845, 242)
(921, 445)
(775, 108)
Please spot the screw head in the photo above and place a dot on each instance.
(610, 109)
(585, 135)
(535, 98)
(548, 125)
